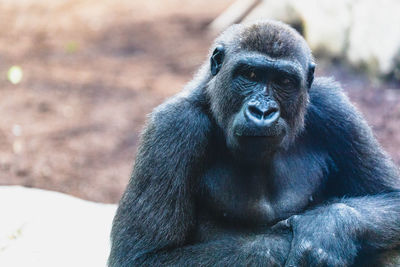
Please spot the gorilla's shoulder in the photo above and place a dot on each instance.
(185, 110)
(328, 99)
(326, 91)
(330, 112)
(182, 103)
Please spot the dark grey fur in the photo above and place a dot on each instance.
(327, 195)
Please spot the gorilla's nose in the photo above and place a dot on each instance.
(262, 115)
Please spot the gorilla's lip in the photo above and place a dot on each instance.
(248, 132)
(262, 137)
(272, 136)
(277, 133)
(259, 136)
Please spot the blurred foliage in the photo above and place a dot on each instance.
(71, 47)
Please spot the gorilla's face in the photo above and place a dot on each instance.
(259, 101)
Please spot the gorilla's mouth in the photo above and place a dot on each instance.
(256, 142)
(261, 139)
(250, 139)
(276, 132)
(243, 129)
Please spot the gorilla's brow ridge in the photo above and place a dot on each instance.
(292, 68)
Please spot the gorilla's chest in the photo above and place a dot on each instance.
(261, 197)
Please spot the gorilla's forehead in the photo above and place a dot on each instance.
(258, 60)
(274, 39)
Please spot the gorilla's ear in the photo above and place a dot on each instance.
(310, 75)
(216, 59)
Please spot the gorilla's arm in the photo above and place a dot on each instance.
(366, 213)
(259, 250)
(346, 231)
(156, 216)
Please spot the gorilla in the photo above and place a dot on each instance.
(255, 163)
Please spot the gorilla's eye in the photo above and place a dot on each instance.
(250, 75)
(285, 82)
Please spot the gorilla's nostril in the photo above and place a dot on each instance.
(269, 113)
(256, 112)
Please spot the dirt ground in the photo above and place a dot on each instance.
(94, 69)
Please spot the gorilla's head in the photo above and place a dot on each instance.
(261, 74)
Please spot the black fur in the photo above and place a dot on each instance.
(212, 187)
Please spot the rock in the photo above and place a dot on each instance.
(44, 228)
(374, 36)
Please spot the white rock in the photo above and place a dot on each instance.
(326, 24)
(374, 37)
(43, 228)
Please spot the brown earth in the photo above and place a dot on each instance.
(94, 69)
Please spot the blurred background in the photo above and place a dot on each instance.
(78, 77)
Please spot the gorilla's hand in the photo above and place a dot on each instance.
(277, 243)
(324, 237)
